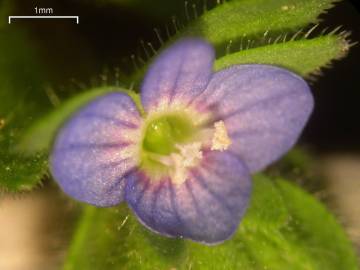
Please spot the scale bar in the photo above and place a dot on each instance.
(44, 17)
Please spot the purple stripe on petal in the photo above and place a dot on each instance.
(264, 108)
(180, 73)
(94, 146)
(112, 120)
(206, 208)
(93, 151)
(153, 201)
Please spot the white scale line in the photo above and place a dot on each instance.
(44, 17)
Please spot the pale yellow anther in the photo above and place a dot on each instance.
(187, 156)
(220, 140)
(191, 153)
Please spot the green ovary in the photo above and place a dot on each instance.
(161, 137)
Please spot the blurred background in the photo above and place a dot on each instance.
(36, 226)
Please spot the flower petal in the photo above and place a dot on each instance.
(206, 208)
(181, 71)
(264, 109)
(96, 148)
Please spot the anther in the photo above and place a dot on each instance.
(221, 140)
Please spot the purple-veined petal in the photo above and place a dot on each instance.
(206, 208)
(179, 73)
(96, 149)
(264, 108)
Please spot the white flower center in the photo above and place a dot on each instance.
(190, 155)
(177, 158)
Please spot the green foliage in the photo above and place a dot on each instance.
(22, 100)
(284, 228)
(304, 56)
(21, 172)
(251, 19)
(315, 226)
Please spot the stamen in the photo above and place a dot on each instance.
(221, 140)
(191, 153)
(189, 156)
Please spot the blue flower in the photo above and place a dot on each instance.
(184, 165)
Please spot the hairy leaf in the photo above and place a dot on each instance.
(316, 230)
(255, 19)
(303, 56)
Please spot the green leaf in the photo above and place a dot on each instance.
(284, 228)
(20, 172)
(303, 56)
(22, 99)
(317, 230)
(251, 19)
(39, 136)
